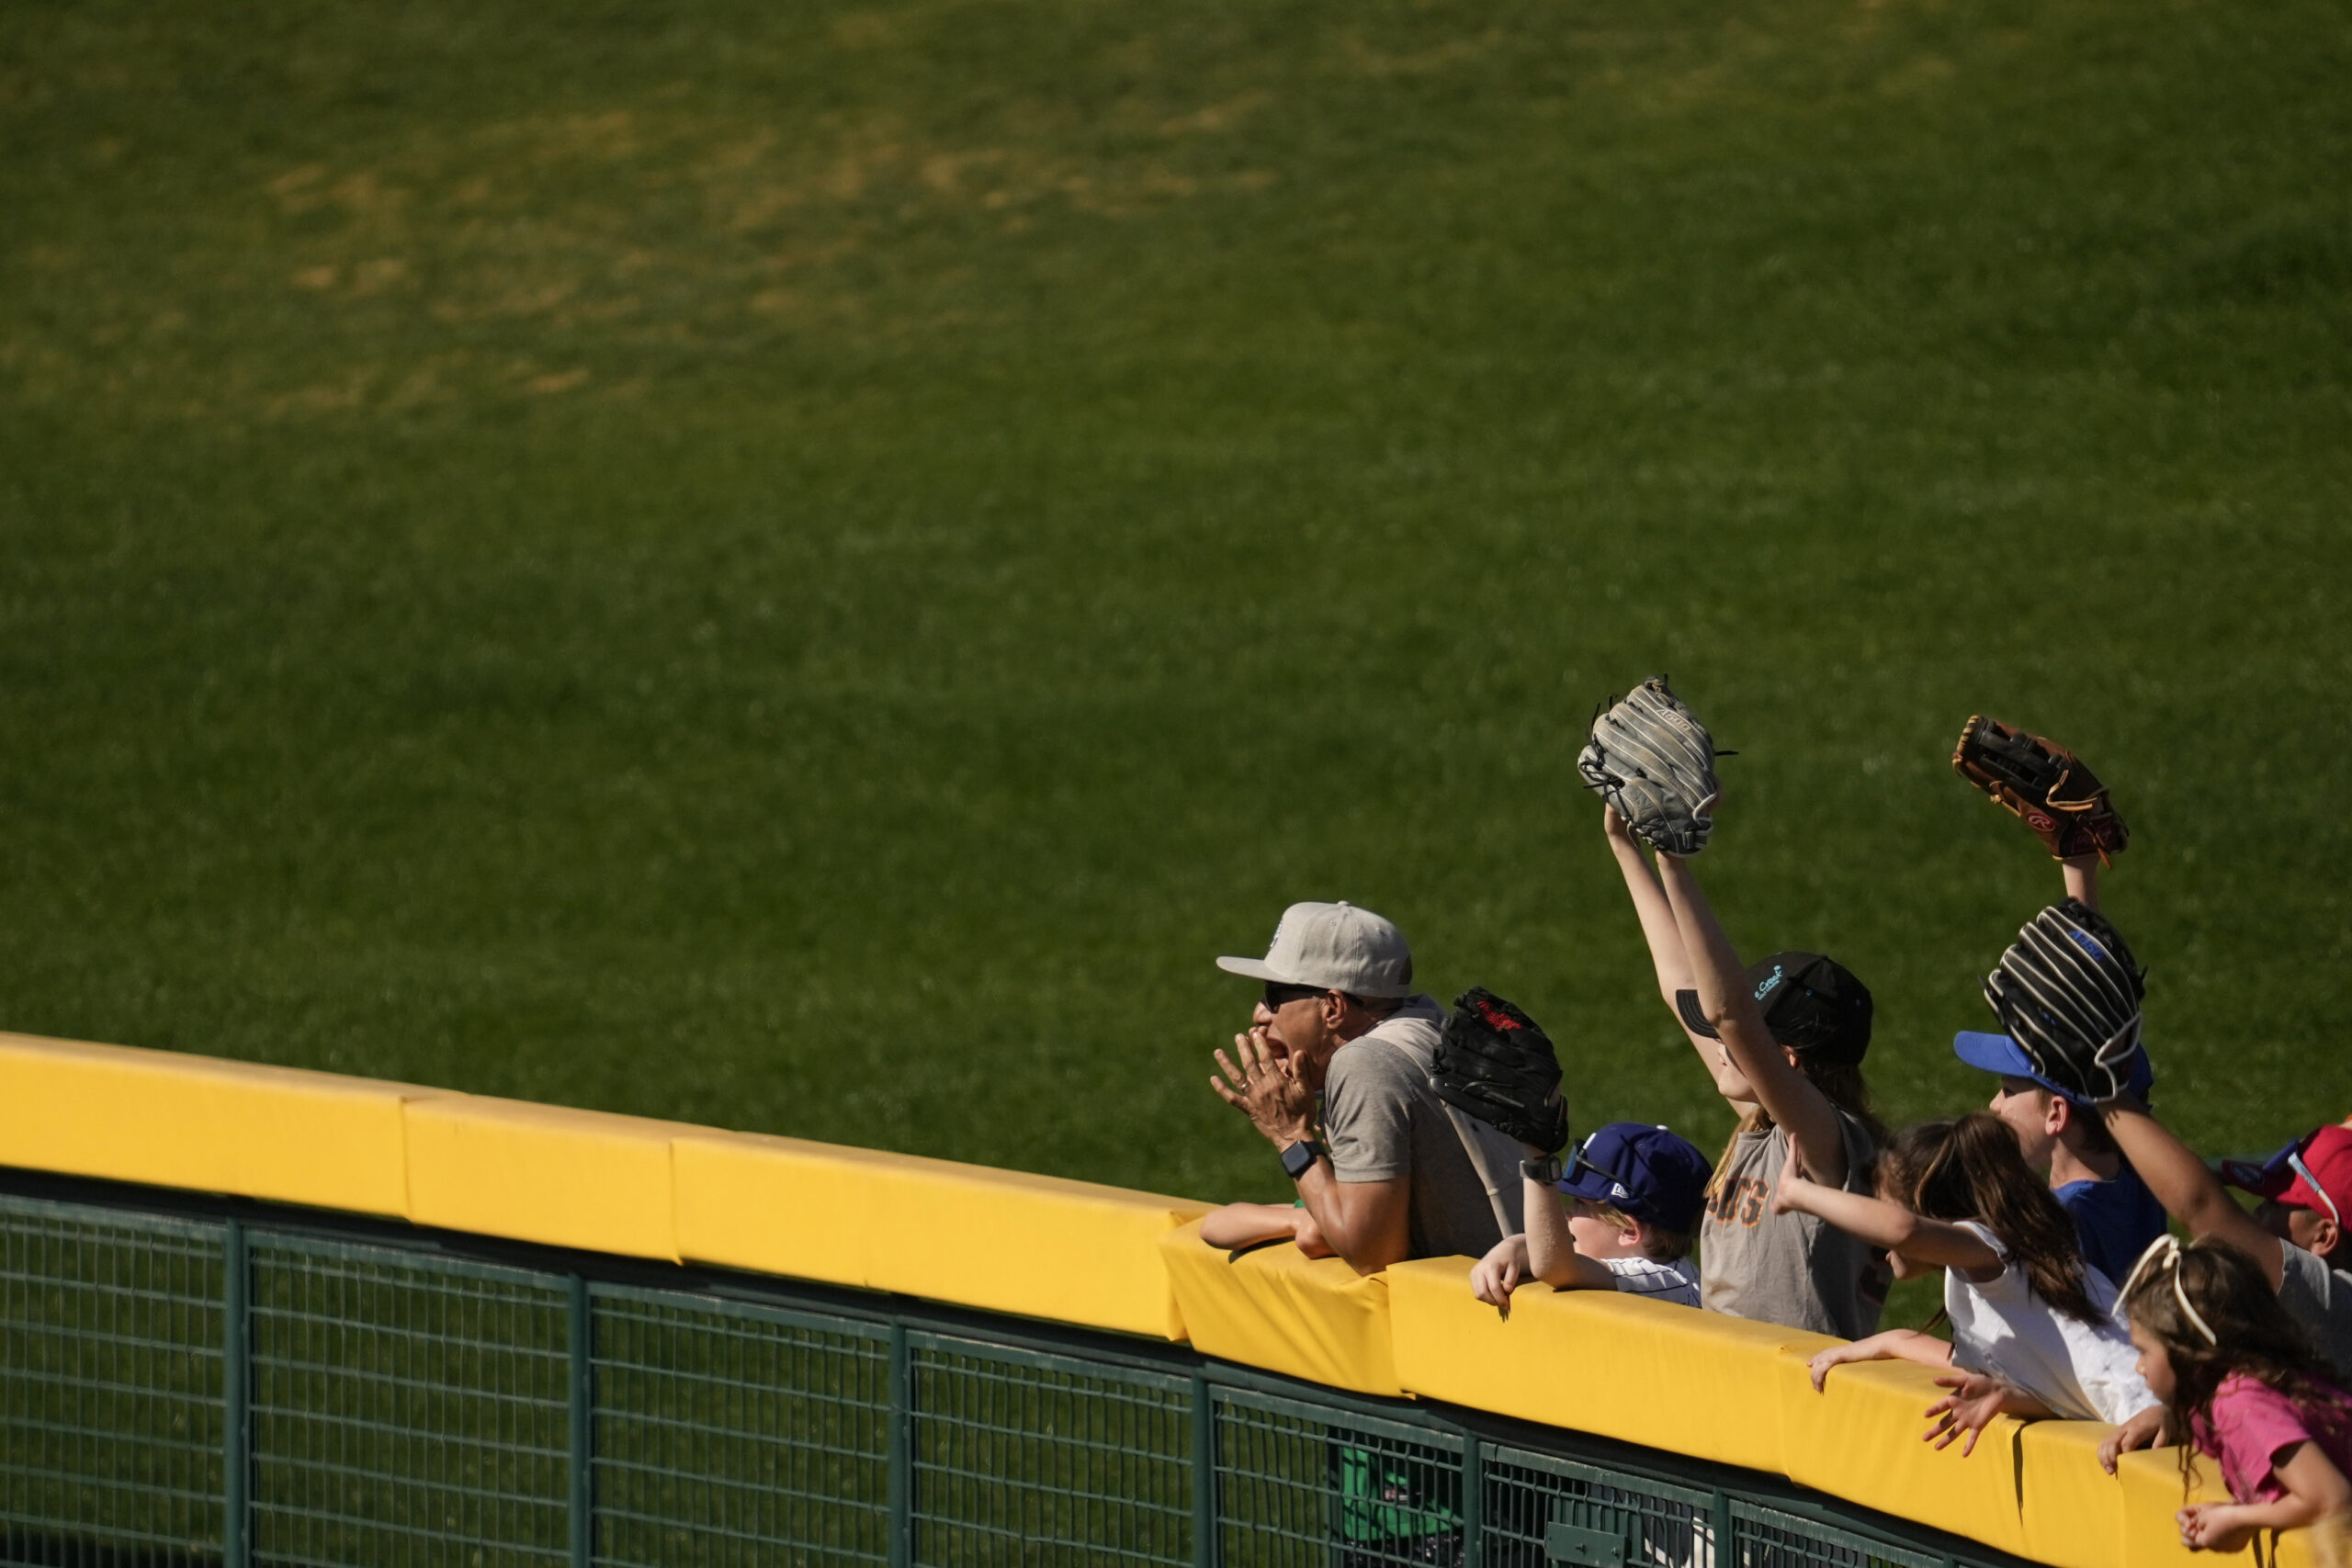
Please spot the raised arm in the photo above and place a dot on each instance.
(1666, 953)
(1786, 1094)
(1874, 1220)
(2082, 879)
(2190, 1193)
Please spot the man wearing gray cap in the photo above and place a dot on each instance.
(1397, 1173)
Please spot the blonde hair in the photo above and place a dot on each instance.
(1660, 1245)
(1840, 1083)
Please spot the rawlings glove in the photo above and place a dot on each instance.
(2044, 784)
(1496, 1065)
(2068, 992)
(1653, 763)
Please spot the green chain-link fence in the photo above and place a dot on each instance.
(242, 1387)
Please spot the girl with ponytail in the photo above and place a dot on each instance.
(2033, 1325)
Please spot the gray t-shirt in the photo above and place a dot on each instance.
(1383, 1121)
(2319, 1298)
(1795, 1269)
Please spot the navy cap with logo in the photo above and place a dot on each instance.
(1813, 1004)
(1644, 1172)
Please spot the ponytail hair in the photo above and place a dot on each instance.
(1841, 1083)
(1971, 1170)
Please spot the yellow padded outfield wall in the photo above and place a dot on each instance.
(1597, 1363)
(996, 1239)
(1004, 1241)
(1859, 1438)
(180, 1120)
(1276, 1308)
(1687, 1383)
(541, 1173)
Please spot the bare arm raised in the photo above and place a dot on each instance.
(1768, 1068)
(1667, 955)
(2190, 1193)
(2081, 874)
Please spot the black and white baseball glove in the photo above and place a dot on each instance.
(2068, 991)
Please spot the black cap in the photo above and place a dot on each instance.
(1812, 1004)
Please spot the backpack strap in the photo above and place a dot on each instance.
(1483, 1160)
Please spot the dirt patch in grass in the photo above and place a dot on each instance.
(595, 232)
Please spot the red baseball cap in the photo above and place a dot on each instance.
(2314, 1172)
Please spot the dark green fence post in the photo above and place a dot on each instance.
(583, 1427)
(1474, 1503)
(236, 1400)
(1205, 1524)
(902, 1449)
(1723, 1522)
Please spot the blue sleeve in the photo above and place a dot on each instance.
(2115, 1219)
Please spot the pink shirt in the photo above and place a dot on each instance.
(2251, 1422)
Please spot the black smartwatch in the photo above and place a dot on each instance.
(1300, 1157)
(1545, 1171)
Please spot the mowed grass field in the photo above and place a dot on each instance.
(807, 568)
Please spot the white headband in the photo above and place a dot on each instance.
(2165, 1252)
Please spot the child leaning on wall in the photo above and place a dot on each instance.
(2297, 1237)
(2058, 1130)
(2239, 1375)
(2033, 1330)
(1618, 1216)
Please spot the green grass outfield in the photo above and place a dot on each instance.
(806, 569)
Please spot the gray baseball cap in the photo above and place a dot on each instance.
(1336, 946)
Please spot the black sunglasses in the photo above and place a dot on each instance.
(1279, 996)
(1576, 1162)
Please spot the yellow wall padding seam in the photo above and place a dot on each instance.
(1669, 1378)
(170, 1120)
(1000, 1240)
(778, 1205)
(1859, 1438)
(2150, 1482)
(1666, 1377)
(543, 1173)
(1004, 1241)
(2072, 1509)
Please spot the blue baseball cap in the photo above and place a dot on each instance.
(1999, 1054)
(1645, 1171)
